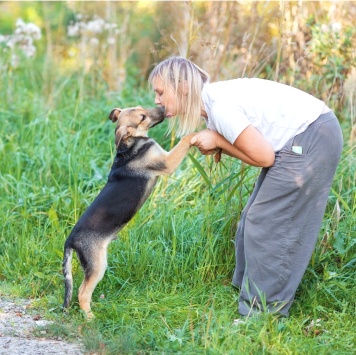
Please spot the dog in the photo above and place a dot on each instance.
(139, 162)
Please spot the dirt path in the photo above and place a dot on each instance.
(17, 326)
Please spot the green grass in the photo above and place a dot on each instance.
(167, 288)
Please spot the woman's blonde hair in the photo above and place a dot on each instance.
(177, 72)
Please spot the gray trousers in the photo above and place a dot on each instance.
(280, 224)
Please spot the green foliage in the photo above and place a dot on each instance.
(167, 288)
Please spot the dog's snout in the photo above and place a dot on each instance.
(162, 111)
(158, 113)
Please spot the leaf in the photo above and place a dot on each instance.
(339, 243)
(40, 275)
(201, 170)
(344, 203)
(53, 217)
(350, 263)
(58, 253)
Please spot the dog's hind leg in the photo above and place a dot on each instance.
(94, 270)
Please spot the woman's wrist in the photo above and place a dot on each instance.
(221, 142)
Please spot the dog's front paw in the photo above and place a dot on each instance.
(188, 138)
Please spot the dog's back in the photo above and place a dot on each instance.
(126, 190)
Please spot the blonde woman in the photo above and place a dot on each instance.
(297, 141)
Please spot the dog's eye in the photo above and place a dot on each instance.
(143, 117)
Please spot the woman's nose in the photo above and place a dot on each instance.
(157, 100)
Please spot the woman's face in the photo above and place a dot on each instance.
(165, 96)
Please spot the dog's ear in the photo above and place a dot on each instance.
(120, 133)
(114, 114)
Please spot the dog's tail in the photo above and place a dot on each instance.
(67, 273)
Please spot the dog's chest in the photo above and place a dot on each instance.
(134, 160)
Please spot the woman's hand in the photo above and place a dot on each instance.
(250, 146)
(207, 141)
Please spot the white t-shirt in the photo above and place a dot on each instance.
(279, 112)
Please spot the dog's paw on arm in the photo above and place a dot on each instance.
(188, 138)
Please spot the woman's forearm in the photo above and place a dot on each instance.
(229, 149)
(250, 147)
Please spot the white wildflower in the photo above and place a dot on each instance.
(94, 42)
(325, 28)
(96, 26)
(15, 60)
(19, 23)
(11, 42)
(110, 26)
(73, 30)
(238, 321)
(91, 28)
(34, 31)
(22, 38)
(336, 27)
(28, 49)
(28, 29)
(111, 40)
(92, 32)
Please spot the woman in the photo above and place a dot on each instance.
(297, 141)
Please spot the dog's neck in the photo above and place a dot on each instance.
(127, 145)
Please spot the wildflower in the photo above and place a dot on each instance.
(110, 26)
(29, 29)
(96, 26)
(73, 30)
(90, 29)
(94, 42)
(336, 27)
(28, 49)
(324, 28)
(22, 38)
(15, 61)
(111, 40)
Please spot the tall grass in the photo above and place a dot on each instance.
(167, 287)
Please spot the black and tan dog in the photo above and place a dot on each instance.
(138, 163)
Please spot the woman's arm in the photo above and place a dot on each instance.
(250, 146)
